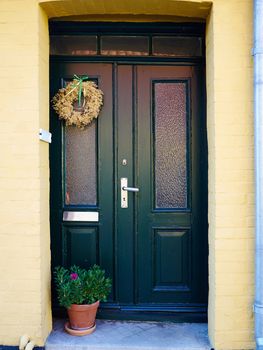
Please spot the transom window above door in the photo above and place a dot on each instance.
(146, 42)
(113, 45)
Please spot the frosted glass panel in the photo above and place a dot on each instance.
(170, 145)
(73, 45)
(124, 46)
(176, 46)
(81, 167)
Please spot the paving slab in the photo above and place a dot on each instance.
(128, 335)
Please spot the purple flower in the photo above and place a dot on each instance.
(74, 276)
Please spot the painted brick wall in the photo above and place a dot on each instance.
(231, 181)
(24, 228)
(24, 174)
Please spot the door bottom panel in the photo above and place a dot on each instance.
(174, 313)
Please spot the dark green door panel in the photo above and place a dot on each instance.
(83, 242)
(151, 130)
(125, 168)
(80, 245)
(171, 238)
(171, 260)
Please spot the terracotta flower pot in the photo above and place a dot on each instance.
(82, 317)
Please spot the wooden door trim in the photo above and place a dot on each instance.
(126, 28)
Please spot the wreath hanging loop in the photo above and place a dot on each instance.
(79, 89)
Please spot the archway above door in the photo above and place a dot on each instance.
(191, 9)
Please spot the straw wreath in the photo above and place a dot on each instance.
(87, 110)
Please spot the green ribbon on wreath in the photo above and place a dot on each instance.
(78, 85)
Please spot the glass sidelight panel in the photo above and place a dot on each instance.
(170, 120)
(81, 165)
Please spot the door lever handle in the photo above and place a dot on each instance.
(130, 189)
(124, 192)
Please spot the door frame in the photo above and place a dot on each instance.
(113, 311)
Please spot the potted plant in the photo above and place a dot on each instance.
(80, 292)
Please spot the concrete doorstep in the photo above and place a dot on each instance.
(123, 335)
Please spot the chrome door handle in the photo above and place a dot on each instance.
(130, 189)
(124, 192)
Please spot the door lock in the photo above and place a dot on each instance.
(124, 192)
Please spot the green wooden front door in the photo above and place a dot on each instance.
(153, 243)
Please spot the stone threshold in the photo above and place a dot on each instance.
(123, 335)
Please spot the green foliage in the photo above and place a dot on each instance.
(79, 286)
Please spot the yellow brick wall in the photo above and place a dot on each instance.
(24, 169)
(24, 177)
(43, 91)
(231, 181)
